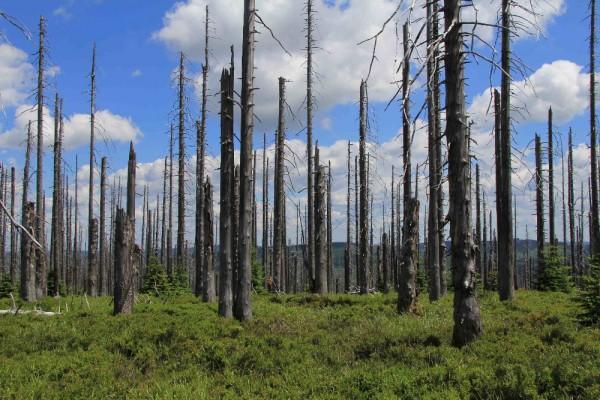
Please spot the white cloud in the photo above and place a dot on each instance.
(16, 75)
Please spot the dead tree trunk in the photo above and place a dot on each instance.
(278, 220)
(478, 244)
(320, 229)
(163, 235)
(226, 215)
(28, 290)
(484, 273)
(102, 275)
(309, 140)
(433, 243)
(330, 277)
(123, 268)
(75, 275)
(385, 262)
(348, 251)
(407, 295)
(243, 308)
(92, 252)
(208, 273)
(13, 232)
(552, 232)
(170, 229)
(363, 240)
(571, 205)
(57, 200)
(180, 255)
(595, 228)
(200, 150)
(41, 262)
(235, 233)
(265, 208)
(539, 201)
(467, 320)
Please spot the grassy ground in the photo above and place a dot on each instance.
(299, 347)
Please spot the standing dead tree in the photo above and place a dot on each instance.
(320, 286)
(92, 286)
(180, 254)
(348, 250)
(363, 239)
(243, 308)
(226, 196)
(102, 269)
(28, 291)
(539, 201)
(309, 139)
(200, 150)
(56, 234)
(571, 205)
(595, 228)
(278, 218)
(41, 262)
(208, 275)
(551, 215)
(330, 273)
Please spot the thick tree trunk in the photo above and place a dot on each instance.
(278, 220)
(539, 201)
(309, 140)
(92, 281)
(407, 294)
(123, 266)
(13, 232)
(467, 320)
(28, 290)
(595, 228)
(235, 233)
(364, 211)
(227, 189)
(320, 229)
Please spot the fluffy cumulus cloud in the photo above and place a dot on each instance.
(109, 127)
(339, 62)
(16, 75)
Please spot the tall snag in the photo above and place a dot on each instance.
(92, 241)
(467, 320)
(364, 212)
(551, 215)
(539, 201)
(571, 205)
(102, 269)
(595, 228)
(243, 309)
(278, 218)
(348, 250)
(320, 286)
(180, 254)
(226, 195)
(309, 139)
(208, 274)
(56, 234)
(28, 291)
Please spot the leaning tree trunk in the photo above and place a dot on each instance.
(595, 228)
(41, 262)
(539, 201)
(467, 320)
(226, 215)
(92, 241)
(363, 251)
(320, 229)
(208, 274)
(180, 254)
(278, 220)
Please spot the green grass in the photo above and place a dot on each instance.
(299, 347)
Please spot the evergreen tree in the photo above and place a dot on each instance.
(589, 296)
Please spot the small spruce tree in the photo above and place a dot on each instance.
(589, 296)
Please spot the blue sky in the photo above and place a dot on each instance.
(137, 46)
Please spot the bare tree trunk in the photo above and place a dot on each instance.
(278, 220)
(124, 274)
(571, 201)
(478, 244)
(235, 232)
(364, 216)
(180, 255)
(208, 274)
(467, 320)
(200, 150)
(433, 243)
(41, 262)
(393, 253)
(595, 228)
(265, 209)
(13, 232)
(226, 215)
(539, 201)
(163, 235)
(92, 252)
(330, 277)
(309, 140)
(564, 204)
(484, 274)
(170, 268)
(356, 222)
(131, 170)
(385, 262)
(76, 274)
(57, 201)
(254, 209)
(320, 229)
(102, 276)
(407, 295)
(28, 290)
(347, 253)
(551, 215)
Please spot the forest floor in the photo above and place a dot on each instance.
(299, 347)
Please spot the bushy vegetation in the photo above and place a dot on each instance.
(556, 275)
(298, 347)
(6, 287)
(589, 297)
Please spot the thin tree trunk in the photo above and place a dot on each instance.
(13, 232)
(102, 276)
(208, 274)
(347, 253)
(309, 139)
(76, 274)
(552, 232)
(92, 252)
(265, 208)
(180, 255)
(227, 190)
(595, 228)
(330, 272)
(28, 290)
(364, 216)
(571, 200)
(41, 262)
(539, 200)
(478, 243)
(467, 320)
(170, 269)
(163, 235)
(320, 228)
(57, 201)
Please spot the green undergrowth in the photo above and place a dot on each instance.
(299, 347)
